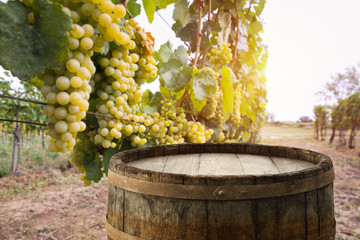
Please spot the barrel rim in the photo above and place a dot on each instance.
(118, 163)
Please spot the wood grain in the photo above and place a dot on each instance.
(217, 174)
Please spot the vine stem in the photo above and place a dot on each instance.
(197, 52)
(237, 36)
(208, 34)
(199, 34)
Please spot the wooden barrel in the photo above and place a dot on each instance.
(220, 191)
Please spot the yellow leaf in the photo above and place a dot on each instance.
(228, 91)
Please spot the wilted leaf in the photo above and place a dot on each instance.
(147, 41)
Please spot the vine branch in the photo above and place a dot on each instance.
(199, 34)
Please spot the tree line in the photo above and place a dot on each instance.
(344, 91)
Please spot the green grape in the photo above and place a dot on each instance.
(77, 31)
(119, 11)
(72, 65)
(62, 83)
(220, 55)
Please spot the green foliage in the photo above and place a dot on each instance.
(150, 6)
(151, 103)
(32, 48)
(198, 105)
(353, 110)
(181, 14)
(191, 89)
(174, 71)
(204, 84)
(133, 8)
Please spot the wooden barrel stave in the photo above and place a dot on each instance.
(299, 216)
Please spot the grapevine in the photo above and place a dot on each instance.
(218, 96)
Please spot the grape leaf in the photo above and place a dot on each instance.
(211, 26)
(174, 71)
(165, 92)
(181, 54)
(197, 104)
(92, 165)
(225, 23)
(91, 119)
(173, 75)
(204, 84)
(150, 7)
(255, 27)
(134, 8)
(245, 136)
(146, 98)
(26, 50)
(260, 7)
(164, 3)
(38, 83)
(165, 52)
(228, 91)
(181, 14)
(107, 156)
(154, 105)
(204, 43)
(188, 33)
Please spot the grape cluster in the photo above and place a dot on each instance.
(172, 127)
(220, 55)
(235, 116)
(109, 58)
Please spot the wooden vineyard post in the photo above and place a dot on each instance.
(14, 163)
(42, 138)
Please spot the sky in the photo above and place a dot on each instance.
(308, 41)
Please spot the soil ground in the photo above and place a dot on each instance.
(52, 204)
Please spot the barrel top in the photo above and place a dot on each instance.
(232, 162)
(220, 164)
